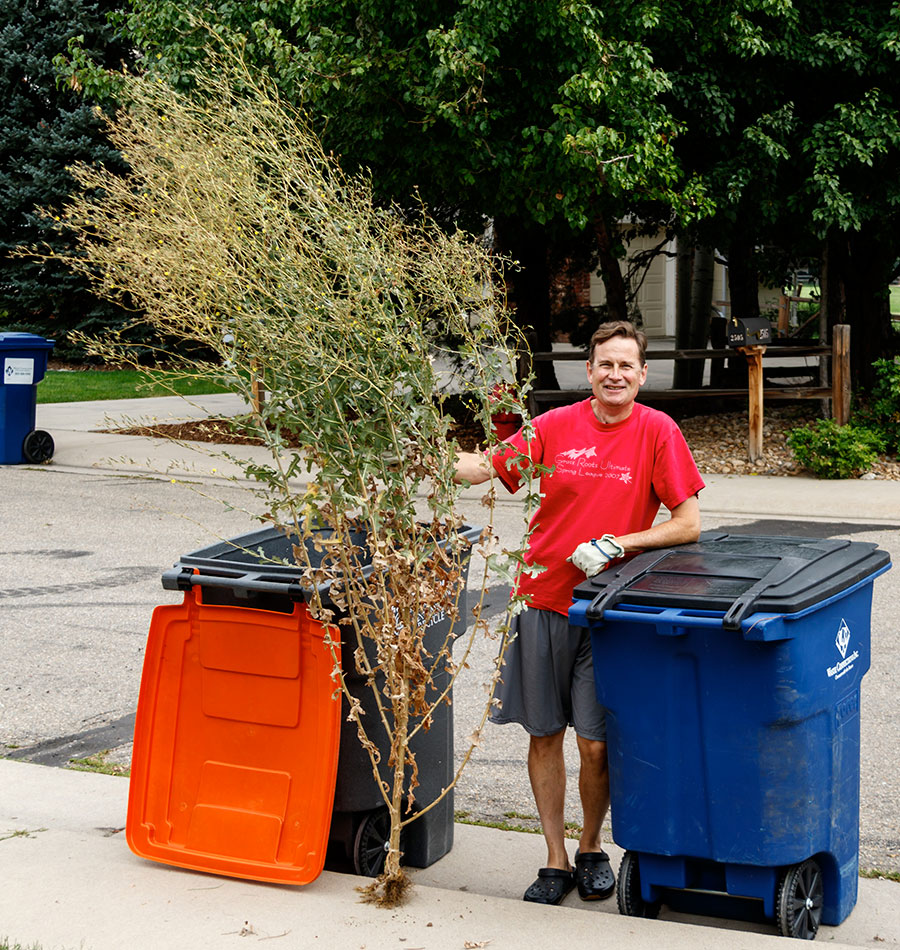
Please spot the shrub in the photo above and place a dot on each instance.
(880, 410)
(832, 451)
(237, 232)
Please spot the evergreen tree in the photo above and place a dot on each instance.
(45, 126)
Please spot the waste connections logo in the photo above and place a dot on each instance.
(18, 371)
(842, 642)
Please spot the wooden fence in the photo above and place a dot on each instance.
(756, 393)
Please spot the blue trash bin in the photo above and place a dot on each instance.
(23, 363)
(731, 673)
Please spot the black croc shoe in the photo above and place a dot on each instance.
(594, 876)
(551, 886)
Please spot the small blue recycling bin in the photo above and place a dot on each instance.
(23, 363)
(731, 673)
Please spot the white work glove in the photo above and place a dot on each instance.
(593, 556)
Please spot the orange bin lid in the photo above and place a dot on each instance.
(236, 742)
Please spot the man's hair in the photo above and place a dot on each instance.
(606, 331)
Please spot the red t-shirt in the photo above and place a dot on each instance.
(606, 479)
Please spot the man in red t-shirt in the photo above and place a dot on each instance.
(613, 462)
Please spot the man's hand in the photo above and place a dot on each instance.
(594, 555)
(472, 467)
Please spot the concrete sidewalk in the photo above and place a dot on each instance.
(69, 881)
(80, 447)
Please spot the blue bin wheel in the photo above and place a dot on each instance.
(628, 890)
(371, 842)
(38, 446)
(800, 898)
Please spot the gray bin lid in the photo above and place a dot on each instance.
(736, 573)
(255, 562)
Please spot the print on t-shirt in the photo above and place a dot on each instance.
(585, 463)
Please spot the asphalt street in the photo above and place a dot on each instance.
(82, 552)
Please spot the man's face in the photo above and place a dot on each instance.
(616, 373)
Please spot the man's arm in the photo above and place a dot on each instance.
(682, 527)
(472, 467)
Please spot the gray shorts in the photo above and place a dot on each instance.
(548, 678)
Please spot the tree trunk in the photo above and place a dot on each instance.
(400, 746)
(611, 272)
(834, 266)
(743, 279)
(701, 308)
(529, 287)
(684, 269)
(858, 267)
(831, 305)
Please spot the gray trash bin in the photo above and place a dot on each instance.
(241, 573)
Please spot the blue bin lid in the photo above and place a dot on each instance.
(13, 340)
(736, 573)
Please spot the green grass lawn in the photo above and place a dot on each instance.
(895, 300)
(89, 385)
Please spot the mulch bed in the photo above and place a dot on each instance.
(718, 442)
(224, 432)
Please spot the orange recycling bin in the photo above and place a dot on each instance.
(243, 763)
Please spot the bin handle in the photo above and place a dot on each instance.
(613, 592)
(187, 578)
(786, 567)
(631, 571)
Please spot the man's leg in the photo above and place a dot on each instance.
(593, 784)
(534, 692)
(547, 771)
(593, 873)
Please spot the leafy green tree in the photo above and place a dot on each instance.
(725, 95)
(46, 127)
(557, 121)
(487, 108)
(544, 118)
(790, 120)
(851, 164)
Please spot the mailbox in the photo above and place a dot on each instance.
(750, 331)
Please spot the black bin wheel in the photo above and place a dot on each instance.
(38, 446)
(370, 844)
(628, 890)
(800, 899)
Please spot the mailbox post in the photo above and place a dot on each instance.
(754, 356)
(749, 337)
